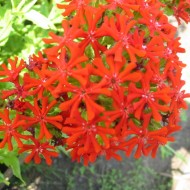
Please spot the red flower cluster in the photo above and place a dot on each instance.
(181, 10)
(111, 82)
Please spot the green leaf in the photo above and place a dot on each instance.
(3, 180)
(15, 3)
(136, 121)
(55, 15)
(183, 116)
(154, 125)
(6, 85)
(28, 5)
(177, 154)
(10, 160)
(13, 162)
(25, 5)
(168, 11)
(5, 26)
(38, 19)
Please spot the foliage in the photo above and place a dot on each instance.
(23, 24)
(10, 159)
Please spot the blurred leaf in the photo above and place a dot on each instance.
(154, 125)
(55, 15)
(3, 180)
(10, 160)
(164, 152)
(6, 85)
(13, 162)
(25, 5)
(28, 5)
(168, 11)
(15, 3)
(183, 115)
(5, 25)
(178, 155)
(14, 44)
(39, 19)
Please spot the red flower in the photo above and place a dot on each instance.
(158, 78)
(86, 93)
(115, 146)
(10, 127)
(65, 68)
(180, 11)
(158, 24)
(141, 137)
(19, 92)
(77, 6)
(115, 75)
(66, 40)
(148, 97)
(126, 5)
(93, 33)
(12, 74)
(40, 116)
(37, 150)
(18, 105)
(37, 85)
(118, 72)
(122, 35)
(153, 47)
(90, 133)
(123, 110)
(177, 97)
(36, 61)
(149, 6)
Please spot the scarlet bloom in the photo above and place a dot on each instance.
(116, 144)
(38, 150)
(12, 74)
(153, 47)
(148, 97)
(37, 85)
(177, 96)
(116, 75)
(41, 116)
(36, 61)
(10, 129)
(87, 93)
(18, 92)
(158, 24)
(64, 68)
(89, 132)
(144, 139)
(180, 11)
(121, 33)
(150, 6)
(121, 113)
(18, 105)
(66, 40)
(93, 33)
(77, 6)
(126, 5)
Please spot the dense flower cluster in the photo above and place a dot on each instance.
(111, 82)
(181, 10)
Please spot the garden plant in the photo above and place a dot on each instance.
(110, 82)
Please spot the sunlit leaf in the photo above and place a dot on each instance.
(28, 5)
(38, 19)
